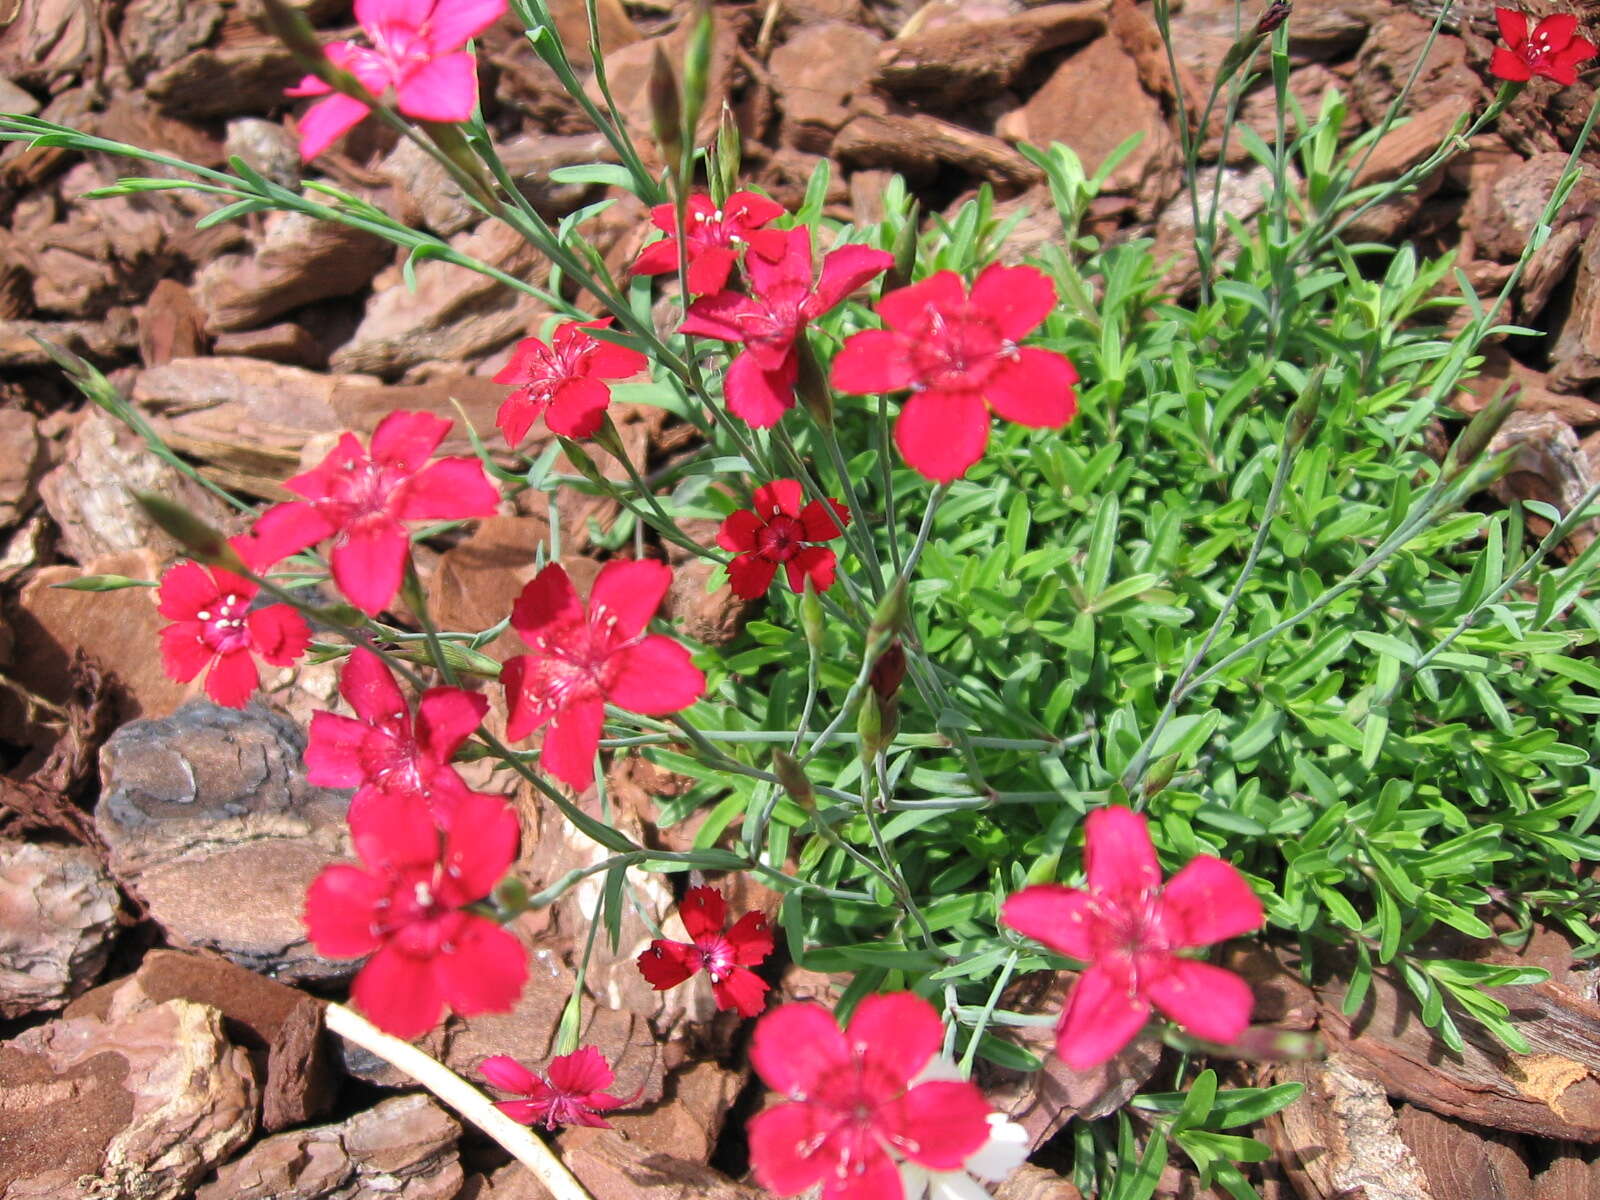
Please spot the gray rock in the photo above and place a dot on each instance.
(58, 911)
(210, 821)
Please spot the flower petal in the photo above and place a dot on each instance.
(1016, 299)
(546, 600)
(1557, 29)
(941, 434)
(796, 1044)
(784, 1144)
(333, 751)
(1504, 64)
(1205, 1000)
(897, 1033)
(780, 497)
(629, 591)
(484, 971)
(1060, 917)
(760, 397)
(506, 1073)
(282, 530)
(654, 676)
(1209, 901)
(660, 257)
(1033, 388)
(785, 265)
(405, 440)
(184, 653)
(872, 1176)
(443, 89)
(398, 993)
(481, 845)
(872, 361)
(368, 687)
(741, 989)
(1103, 1015)
(719, 316)
(843, 271)
(187, 590)
(817, 563)
(751, 938)
(580, 1073)
(577, 408)
(451, 489)
(750, 209)
(607, 360)
(709, 268)
(703, 911)
(446, 717)
(341, 907)
(233, 676)
(824, 520)
(453, 22)
(1118, 857)
(368, 561)
(739, 529)
(570, 742)
(326, 121)
(937, 1124)
(278, 634)
(396, 834)
(750, 575)
(665, 964)
(1513, 25)
(906, 309)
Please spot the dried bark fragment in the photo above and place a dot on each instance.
(58, 910)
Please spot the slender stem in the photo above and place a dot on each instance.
(417, 601)
(891, 517)
(979, 1026)
(930, 741)
(830, 443)
(891, 865)
(517, 1140)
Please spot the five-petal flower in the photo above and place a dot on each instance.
(571, 1092)
(416, 50)
(786, 295)
(725, 956)
(362, 497)
(776, 532)
(1552, 49)
(407, 908)
(561, 381)
(214, 630)
(581, 660)
(1130, 929)
(958, 354)
(388, 752)
(715, 239)
(853, 1107)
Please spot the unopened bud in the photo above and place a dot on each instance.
(453, 144)
(730, 153)
(811, 385)
(666, 109)
(1159, 775)
(792, 777)
(869, 726)
(905, 250)
(697, 68)
(1276, 14)
(1479, 433)
(1306, 410)
(891, 614)
(203, 543)
(811, 616)
(102, 583)
(581, 462)
(511, 896)
(889, 672)
(291, 27)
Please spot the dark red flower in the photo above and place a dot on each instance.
(573, 1091)
(777, 532)
(581, 660)
(785, 297)
(407, 909)
(716, 238)
(362, 500)
(214, 630)
(852, 1106)
(1553, 49)
(561, 381)
(1130, 930)
(958, 355)
(724, 956)
(388, 752)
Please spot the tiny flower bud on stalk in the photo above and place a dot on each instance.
(730, 152)
(582, 463)
(1305, 411)
(666, 109)
(904, 250)
(812, 385)
(890, 618)
(1242, 51)
(1480, 431)
(697, 71)
(811, 616)
(290, 26)
(453, 145)
(203, 543)
(792, 776)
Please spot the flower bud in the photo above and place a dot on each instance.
(812, 385)
(889, 672)
(697, 68)
(291, 27)
(582, 463)
(811, 616)
(904, 250)
(511, 896)
(869, 726)
(666, 109)
(730, 152)
(792, 776)
(453, 145)
(203, 543)
(1276, 14)
(891, 614)
(1305, 411)
(1479, 433)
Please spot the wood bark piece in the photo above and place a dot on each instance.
(960, 61)
(918, 143)
(58, 911)
(245, 78)
(1462, 1160)
(816, 74)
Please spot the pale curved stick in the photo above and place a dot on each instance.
(518, 1140)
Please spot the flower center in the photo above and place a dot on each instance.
(402, 50)
(956, 351)
(781, 539)
(223, 627)
(716, 958)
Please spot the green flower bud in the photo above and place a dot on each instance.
(792, 776)
(666, 109)
(203, 543)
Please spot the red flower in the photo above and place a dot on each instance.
(361, 499)
(716, 235)
(572, 1093)
(561, 381)
(1553, 49)
(852, 1106)
(406, 909)
(581, 660)
(768, 323)
(774, 533)
(388, 752)
(1129, 929)
(726, 957)
(958, 355)
(213, 627)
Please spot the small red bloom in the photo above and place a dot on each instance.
(213, 627)
(958, 355)
(716, 236)
(1553, 49)
(785, 298)
(406, 909)
(725, 957)
(852, 1107)
(361, 499)
(581, 660)
(573, 1092)
(561, 381)
(1129, 929)
(775, 533)
(388, 752)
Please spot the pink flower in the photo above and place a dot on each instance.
(561, 381)
(958, 355)
(388, 752)
(214, 630)
(769, 323)
(416, 50)
(581, 660)
(406, 909)
(362, 500)
(725, 957)
(775, 533)
(1553, 49)
(852, 1106)
(716, 236)
(573, 1092)
(1129, 929)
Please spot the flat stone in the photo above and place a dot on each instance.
(209, 820)
(139, 1106)
(58, 913)
(816, 73)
